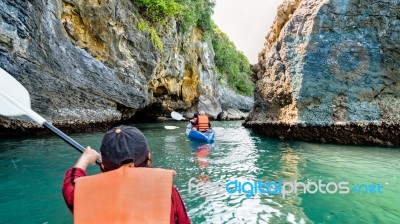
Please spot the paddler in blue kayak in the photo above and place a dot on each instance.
(122, 146)
(193, 121)
(201, 122)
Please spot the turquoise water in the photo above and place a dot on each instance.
(32, 171)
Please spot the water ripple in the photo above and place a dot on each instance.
(32, 171)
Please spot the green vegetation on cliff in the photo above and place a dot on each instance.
(159, 10)
(155, 38)
(232, 65)
(188, 13)
(233, 68)
(197, 13)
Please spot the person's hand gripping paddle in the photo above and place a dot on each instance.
(15, 101)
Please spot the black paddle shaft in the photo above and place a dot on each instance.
(66, 138)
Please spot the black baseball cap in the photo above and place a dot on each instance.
(122, 145)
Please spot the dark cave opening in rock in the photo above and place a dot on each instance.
(160, 91)
(148, 114)
(175, 97)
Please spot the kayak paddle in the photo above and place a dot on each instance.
(177, 116)
(15, 101)
(170, 127)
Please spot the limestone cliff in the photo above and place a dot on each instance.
(329, 71)
(86, 62)
(234, 106)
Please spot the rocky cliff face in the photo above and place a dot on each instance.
(86, 62)
(234, 106)
(329, 71)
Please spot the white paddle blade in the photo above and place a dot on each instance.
(177, 116)
(15, 99)
(11, 90)
(170, 127)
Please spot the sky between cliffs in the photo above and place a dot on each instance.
(246, 22)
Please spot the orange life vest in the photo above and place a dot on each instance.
(125, 195)
(203, 123)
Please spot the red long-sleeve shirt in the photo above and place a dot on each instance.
(178, 210)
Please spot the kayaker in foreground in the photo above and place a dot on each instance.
(201, 122)
(120, 146)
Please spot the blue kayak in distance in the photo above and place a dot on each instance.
(207, 136)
